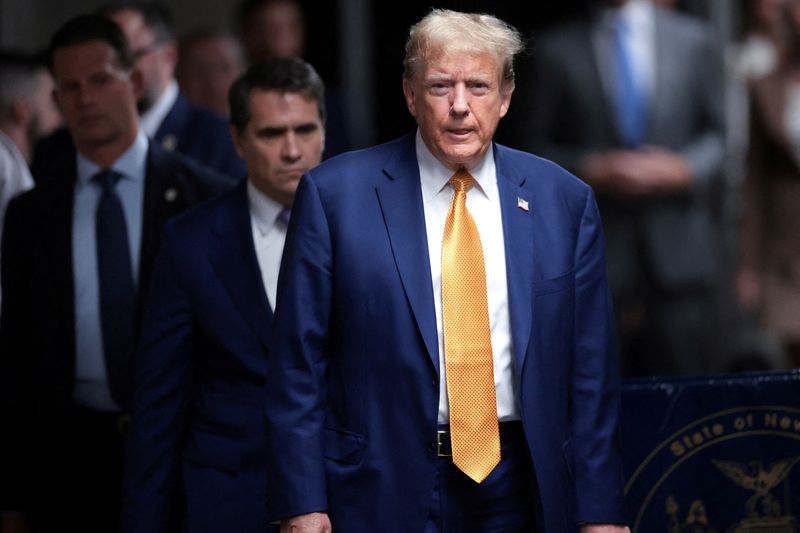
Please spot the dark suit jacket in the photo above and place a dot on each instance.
(352, 388)
(197, 421)
(37, 326)
(562, 110)
(202, 135)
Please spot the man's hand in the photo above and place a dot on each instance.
(307, 523)
(604, 528)
(644, 172)
(748, 289)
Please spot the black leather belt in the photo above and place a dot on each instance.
(508, 430)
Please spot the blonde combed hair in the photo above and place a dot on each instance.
(453, 32)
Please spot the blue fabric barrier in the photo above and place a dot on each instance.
(713, 454)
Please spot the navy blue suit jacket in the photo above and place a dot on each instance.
(197, 421)
(37, 323)
(202, 135)
(352, 382)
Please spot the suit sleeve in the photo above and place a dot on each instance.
(705, 149)
(595, 383)
(295, 387)
(16, 363)
(163, 377)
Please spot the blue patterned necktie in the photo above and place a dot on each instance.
(629, 98)
(117, 290)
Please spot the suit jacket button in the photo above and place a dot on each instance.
(431, 447)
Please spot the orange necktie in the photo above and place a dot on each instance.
(474, 433)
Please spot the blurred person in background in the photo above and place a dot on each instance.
(209, 62)
(764, 38)
(27, 113)
(757, 52)
(77, 255)
(277, 28)
(769, 275)
(270, 28)
(167, 116)
(629, 100)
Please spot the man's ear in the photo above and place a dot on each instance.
(505, 98)
(137, 78)
(408, 92)
(170, 52)
(237, 141)
(57, 100)
(20, 111)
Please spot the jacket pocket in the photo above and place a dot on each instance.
(343, 446)
(543, 287)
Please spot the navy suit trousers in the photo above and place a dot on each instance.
(505, 502)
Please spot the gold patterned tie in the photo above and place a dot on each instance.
(474, 432)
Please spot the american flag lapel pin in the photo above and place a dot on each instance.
(522, 203)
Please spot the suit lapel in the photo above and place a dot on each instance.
(159, 177)
(599, 45)
(667, 68)
(170, 131)
(401, 203)
(233, 257)
(518, 232)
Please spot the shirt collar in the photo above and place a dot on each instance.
(153, 117)
(263, 209)
(634, 13)
(132, 164)
(434, 176)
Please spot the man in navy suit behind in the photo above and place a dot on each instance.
(361, 398)
(77, 255)
(197, 426)
(167, 116)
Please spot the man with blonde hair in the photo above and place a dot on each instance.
(443, 356)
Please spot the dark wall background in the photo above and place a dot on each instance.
(393, 20)
(27, 24)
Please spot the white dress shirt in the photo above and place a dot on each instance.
(151, 119)
(483, 203)
(269, 235)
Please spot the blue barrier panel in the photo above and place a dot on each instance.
(714, 454)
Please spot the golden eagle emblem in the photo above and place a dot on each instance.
(761, 481)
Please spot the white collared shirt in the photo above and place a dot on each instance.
(151, 119)
(269, 235)
(483, 203)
